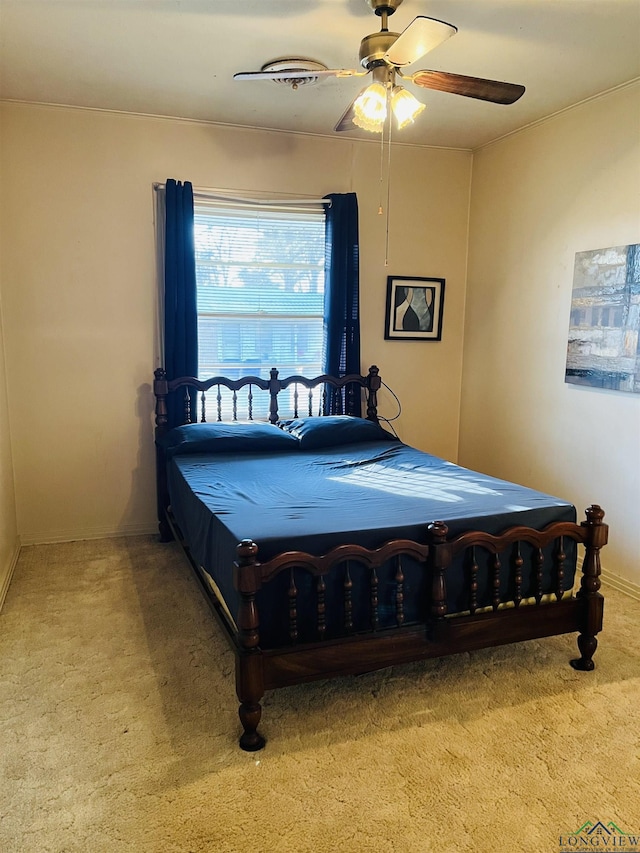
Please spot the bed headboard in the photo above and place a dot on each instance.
(197, 394)
(248, 394)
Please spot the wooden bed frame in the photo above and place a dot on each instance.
(258, 669)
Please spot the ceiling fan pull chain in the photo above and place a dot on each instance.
(380, 207)
(386, 248)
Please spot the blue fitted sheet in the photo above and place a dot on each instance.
(358, 493)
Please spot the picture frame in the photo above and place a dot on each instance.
(415, 308)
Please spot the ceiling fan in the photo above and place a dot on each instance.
(383, 55)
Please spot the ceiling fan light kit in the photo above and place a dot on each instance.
(370, 108)
(382, 55)
(406, 108)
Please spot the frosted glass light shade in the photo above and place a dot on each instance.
(370, 108)
(405, 107)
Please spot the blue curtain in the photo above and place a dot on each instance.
(341, 300)
(180, 310)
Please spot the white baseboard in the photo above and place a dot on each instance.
(622, 585)
(5, 578)
(73, 535)
(614, 581)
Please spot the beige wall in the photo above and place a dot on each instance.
(78, 296)
(8, 526)
(538, 197)
(78, 288)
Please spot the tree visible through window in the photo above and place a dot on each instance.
(260, 283)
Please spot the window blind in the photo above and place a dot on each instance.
(260, 283)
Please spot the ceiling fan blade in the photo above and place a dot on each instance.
(470, 87)
(296, 75)
(422, 35)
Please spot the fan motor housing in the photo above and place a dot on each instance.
(374, 47)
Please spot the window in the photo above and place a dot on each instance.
(260, 289)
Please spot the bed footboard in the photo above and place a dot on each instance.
(508, 619)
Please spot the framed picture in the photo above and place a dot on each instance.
(414, 309)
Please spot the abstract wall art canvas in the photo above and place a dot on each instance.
(604, 329)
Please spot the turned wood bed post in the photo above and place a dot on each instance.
(249, 672)
(439, 560)
(275, 387)
(373, 385)
(161, 390)
(596, 537)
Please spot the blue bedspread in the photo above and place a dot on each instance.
(361, 493)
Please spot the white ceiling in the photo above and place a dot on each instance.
(177, 58)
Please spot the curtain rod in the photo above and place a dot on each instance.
(213, 196)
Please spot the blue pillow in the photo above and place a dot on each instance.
(313, 433)
(254, 437)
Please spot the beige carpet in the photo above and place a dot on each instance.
(118, 730)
